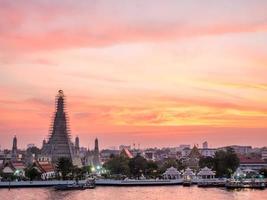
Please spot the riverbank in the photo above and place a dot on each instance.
(104, 182)
(100, 182)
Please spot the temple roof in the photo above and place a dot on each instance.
(125, 152)
(194, 153)
(188, 172)
(206, 171)
(171, 171)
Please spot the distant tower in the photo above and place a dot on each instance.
(77, 145)
(14, 148)
(205, 145)
(44, 142)
(96, 154)
(59, 143)
(96, 146)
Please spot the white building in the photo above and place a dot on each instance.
(209, 152)
(172, 173)
(188, 174)
(206, 173)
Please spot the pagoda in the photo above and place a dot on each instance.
(59, 143)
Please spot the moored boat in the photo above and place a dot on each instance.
(188, 176)
(74, 186)
(89, 184)
(246, 179)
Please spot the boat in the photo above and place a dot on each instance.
(187, 182)
(89, 184)
(188, 176)
(74, 186)
(246, 179)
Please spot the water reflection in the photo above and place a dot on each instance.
(140, 193)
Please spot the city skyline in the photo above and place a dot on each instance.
(176, 72)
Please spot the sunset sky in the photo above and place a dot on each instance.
(154, 72)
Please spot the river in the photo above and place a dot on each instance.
(134, 193)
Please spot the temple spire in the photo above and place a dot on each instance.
(14, 148)
(59, 143)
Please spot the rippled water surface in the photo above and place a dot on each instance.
(134, 193)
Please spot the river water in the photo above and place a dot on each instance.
(134, 193)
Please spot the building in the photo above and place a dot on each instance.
(30, 146)
(149, 155)
(206, 173)
(183, 146)
(193, 159)
(185, 152)
(107, 153)
(247, 162)
(121, 147)
(208, 152)
(126, 153)
(205, 145)
(264, 155)
(59, 143)
(96, 154)
(46, 169)
(171, 173)
(188, 174)
(16, 168)
(92, 158)
(15, 149)
(77, 145)
(238, 149)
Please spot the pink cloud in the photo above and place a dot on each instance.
(47, 26)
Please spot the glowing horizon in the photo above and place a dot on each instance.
(147, 72)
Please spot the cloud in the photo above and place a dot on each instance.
(40, 25)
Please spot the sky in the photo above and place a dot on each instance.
(148, 72)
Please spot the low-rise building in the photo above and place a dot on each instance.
(208, 152)
(264, 155)
(206, 173)
(253, 163)
(239, 149)
(171, 173)
(46, 169)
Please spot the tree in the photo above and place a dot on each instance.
(32, 173)
(64, 167)
(34, 150)
(137, 166)
(225, 163)
(170, 162)
(206, 162)
(117, 165)
(152, 169)
(87, 169)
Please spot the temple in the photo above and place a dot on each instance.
(59, 143)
